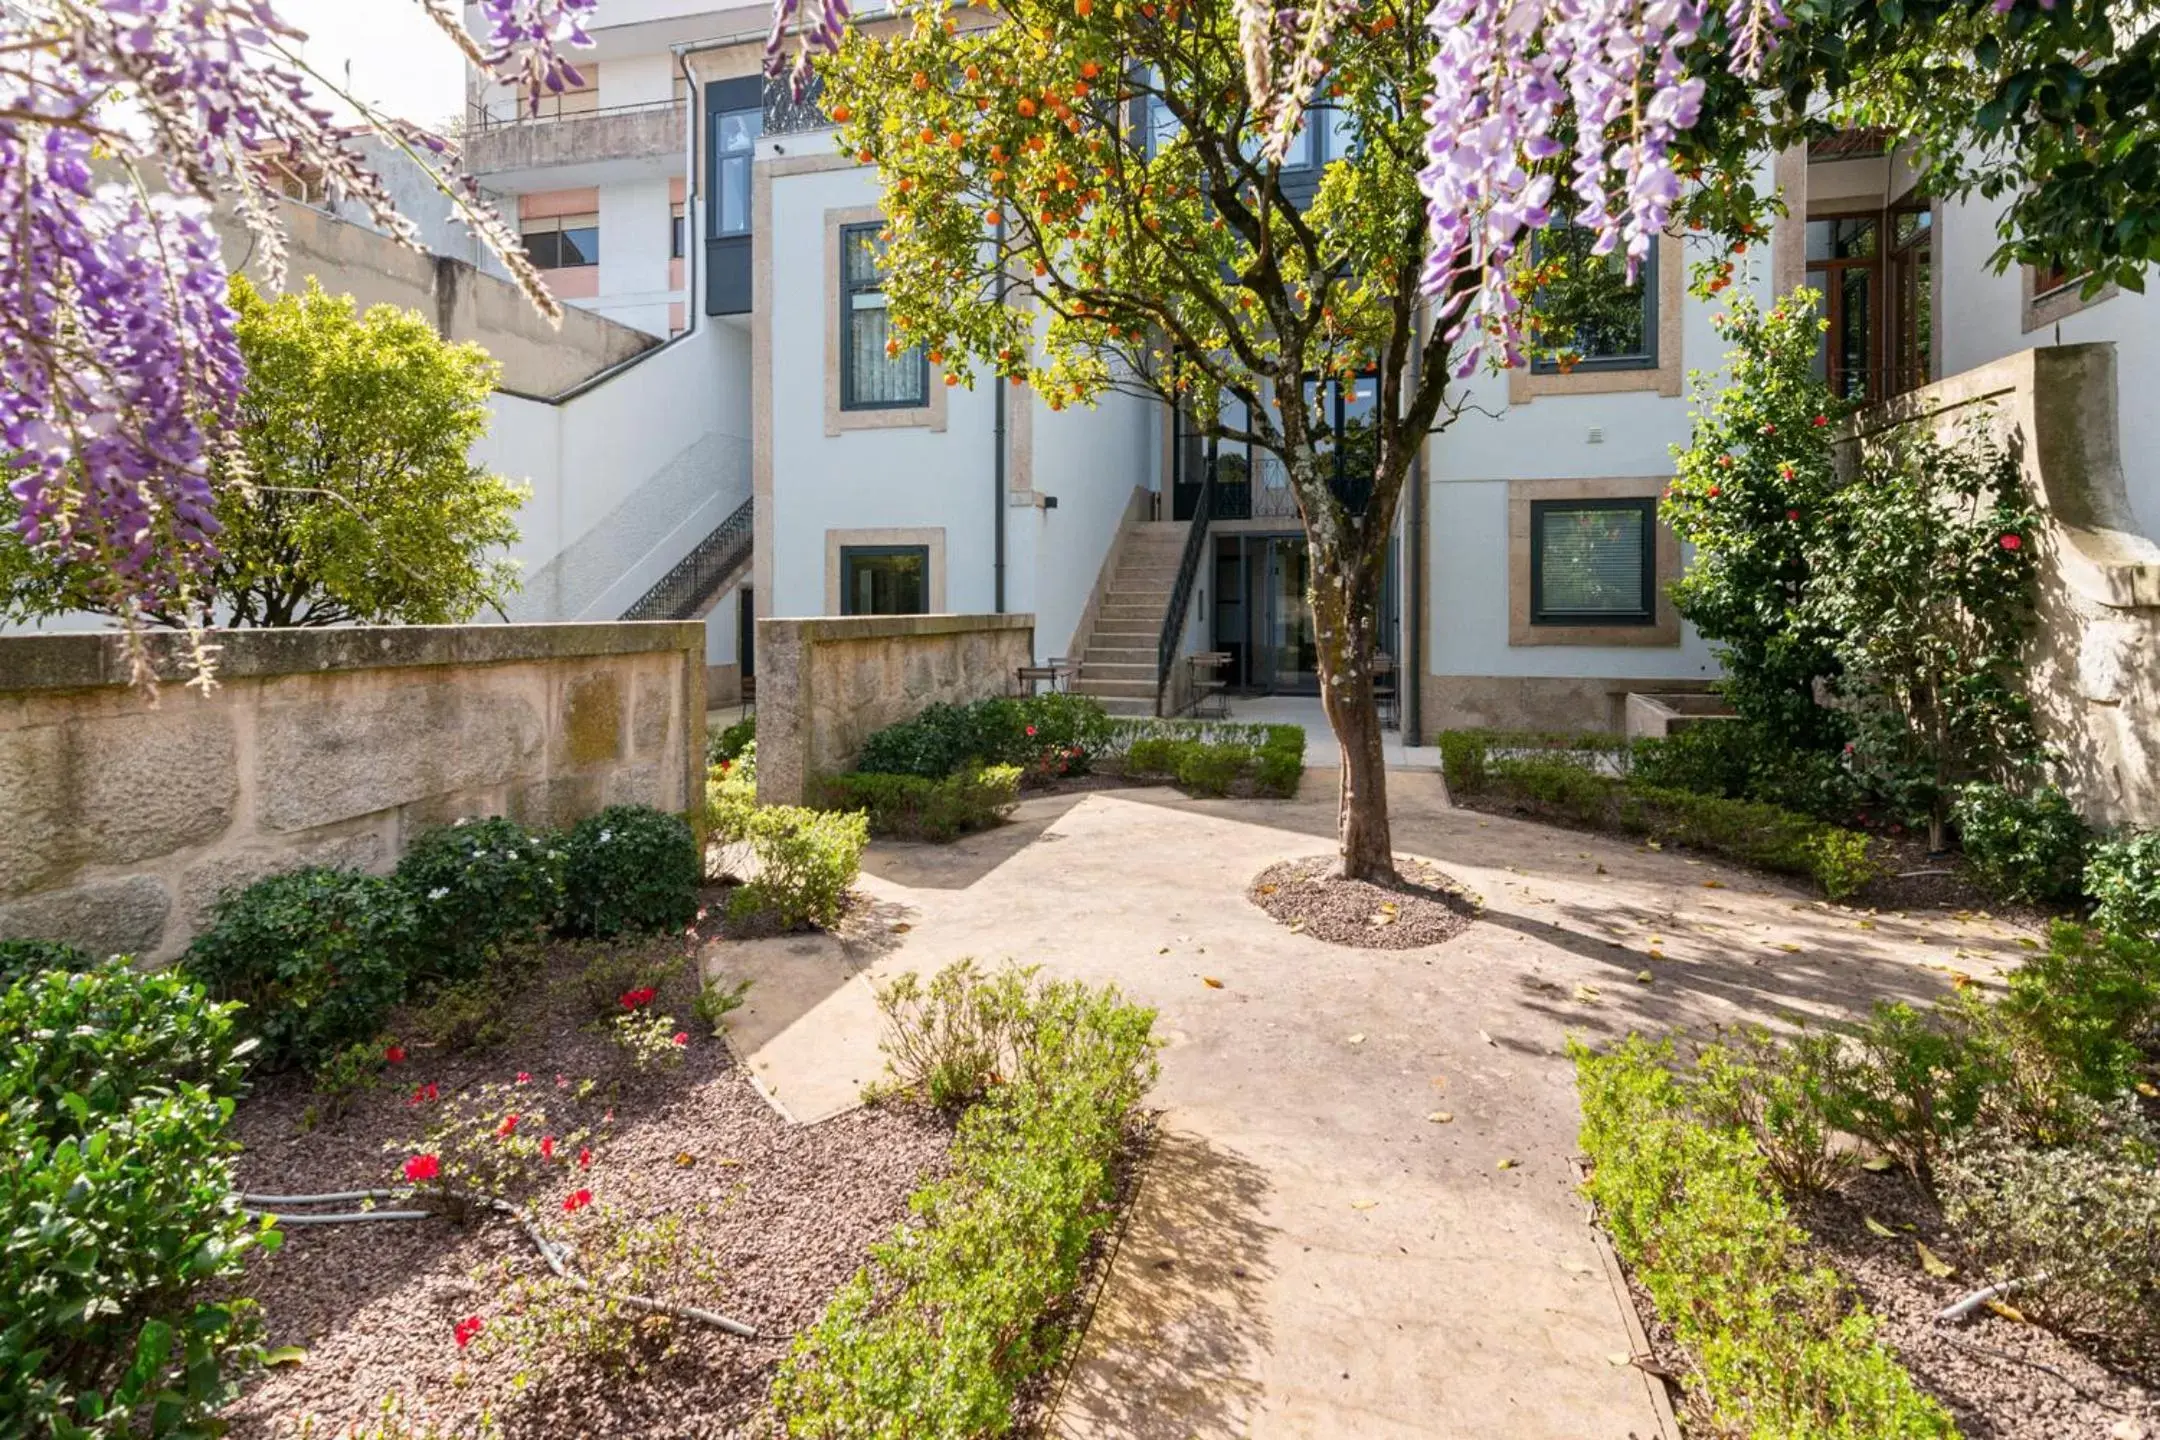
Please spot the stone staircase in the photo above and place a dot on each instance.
(1117, 665)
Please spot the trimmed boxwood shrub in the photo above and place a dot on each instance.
(115, 1091)
(630, 868)
(478, 884)
(806, 860)
(908, 807)
(934, 1338)
(318, 956)
(1053, 734)
(1783, 1354)
(1208, 758)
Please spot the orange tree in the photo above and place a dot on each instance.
(1078, 198)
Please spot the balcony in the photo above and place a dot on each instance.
(786, 115)
(622, 142)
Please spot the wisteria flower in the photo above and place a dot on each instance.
(465, 1329)
(422, 1168)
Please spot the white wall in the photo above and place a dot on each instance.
(1091, 459)
(864, 478)
(1982, 319)
(634, 254)
(637, 79)
(626, 476)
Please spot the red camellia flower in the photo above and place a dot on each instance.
(1725, 460)
(524, 1077)
(584, 1158)
(1786, 471)
(465, 1329)
(1769, 429)
(1715, 492)
(1031, 732)
(632, 999)
(681, 1038)
(395, 1054)
(1819, 421)
(508, 1127)
(2010, 541)
(547, 1147)
(576, 1201)
(423, 1092)
(421, 1168)
(1792, 515)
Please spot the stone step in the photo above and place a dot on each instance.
(1108, 629)
(1109, 689)
(1131, 610)
(1117, 655)
(1093, 669)
(1157, 598)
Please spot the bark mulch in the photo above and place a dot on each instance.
(785, 1213)
(2001, 1378)
(1425, 908)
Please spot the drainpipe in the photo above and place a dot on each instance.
(1409, 678)
(691, 238)
(998, 387)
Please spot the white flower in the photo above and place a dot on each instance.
(438, 892)
(606, 835)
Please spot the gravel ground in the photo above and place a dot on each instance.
(1425, 909)
(1989, 1370)
(786, 1213)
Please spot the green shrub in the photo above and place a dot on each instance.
(1710, 757)
(1207, 769)
(1466, 755)
(612, 973)
(729, 742)
(932, 745)
(354, 1071)
(630, 867)
(551, 1322)
(318, 957)
(1782, 1096)
(949, 1041)
(470, 1015)
(730, 796)
(479, 884)
(123, 1229)
(908, 807)
(2089, 1003)
(938, 1334)
(1912, 1081)
(1577, 792)
(1051, 734)
(1281, 762)
(2123, 878)
(2085, 1217)
(1781, 1353)
(1841, 861)
(1060, 734)
(1154, 755)
(806, 860)
(2023, 846)
(30, 957)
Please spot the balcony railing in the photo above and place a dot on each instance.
(496, 141)
(786, 115)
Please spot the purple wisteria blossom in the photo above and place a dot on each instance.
(121, 124)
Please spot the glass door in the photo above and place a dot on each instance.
(1291, 659)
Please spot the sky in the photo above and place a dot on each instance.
(400, 61)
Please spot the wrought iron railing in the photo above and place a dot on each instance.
(1188, 572)
(684, 590)
(785, 114)
(505, 115)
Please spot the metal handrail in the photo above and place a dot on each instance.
(1173, 628)
(691, 582)
(482, 118)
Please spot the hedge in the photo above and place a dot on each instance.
(1781, 1353)
(937, 1335)
(908, 807)
(1209, 756)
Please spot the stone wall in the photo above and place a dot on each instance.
(824, 685)
(2093, 675)
(128, 812)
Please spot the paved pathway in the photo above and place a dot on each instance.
(1312, 1252)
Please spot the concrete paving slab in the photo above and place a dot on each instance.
(1312, 1254)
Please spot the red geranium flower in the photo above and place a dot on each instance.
(423, 1092)
(2010, 541)
(524, 1077)
(547, 1147)
(1792, 515)
(508, 1127)
(395, 1054)
(1031, 732)
(584, 1158)
(465, 1329)
(682, 1037)
(422, 1167)
(576, 1201)
(1820, 420)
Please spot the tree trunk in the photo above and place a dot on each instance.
(1343, 634)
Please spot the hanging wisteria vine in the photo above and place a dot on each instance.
(121, 123)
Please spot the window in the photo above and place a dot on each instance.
(734, 143)
(1593, 317)
(875, 374)
(675, 231)
(884, 579)
(562, 242)
(1593, 562)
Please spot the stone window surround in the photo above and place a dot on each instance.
(912, 417)
(1666, 378)
(930, 538)
(1664, 629)
(2038, 311)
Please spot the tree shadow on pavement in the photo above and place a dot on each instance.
(1180, 1336)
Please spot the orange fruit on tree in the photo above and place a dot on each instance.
(920, 81)
(1083, 8)
(1026, 107)
(840, 114)
(1090, 70)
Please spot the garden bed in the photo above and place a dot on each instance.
(784, 1215)
(1425, 907)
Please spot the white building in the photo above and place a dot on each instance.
(680, 194)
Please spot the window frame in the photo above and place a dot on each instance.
(849, 554)
(1648, 359)
(678, 229)
(722, 226)
(849, 289)
(1647, 507)
(553, 225)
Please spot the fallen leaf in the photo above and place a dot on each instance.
(684, 1159)
(1270, 888)
(1644, 977)
(1508, 1164)
(1934, 1264)
(1297, 925)
(901, 927)
(2145, 1088)
(1164, 950)
(2028, 943)
(1713, 884)
(1363, 1204)
(1383, 918)
(1358, 1039)
(1652, 845)
(1601, 869)
(2007, 1311)
(1876, 1163)
(284, 1355)
(1211, 982)
(1876, 1227)
(1442, 1117)
(1789, 948)
(1656, 954)
(1587, 994)
(1487, 1038)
